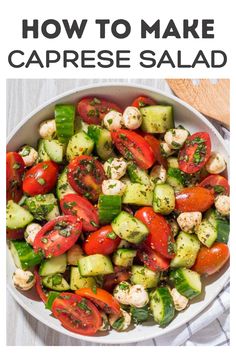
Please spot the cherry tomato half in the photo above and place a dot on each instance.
(195, 152)
(85, 175)
(143, 101)
(92, 110)
(211, 260)
(194, 199)
(217, 183)
(111, 280)
(17, 234)
(58, 235)
(41, 178)
(156, 148)
(133, 147)
(160, 237)
(77, 314)
(152, 259)
(73, 204)
(102, 299)
(14, 174)
(39, 287)
(103, 241)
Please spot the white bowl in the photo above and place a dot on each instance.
(27, 132)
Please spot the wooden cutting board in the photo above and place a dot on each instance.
(211, 99)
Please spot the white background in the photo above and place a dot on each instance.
(150, 10)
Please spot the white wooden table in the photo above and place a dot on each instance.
(24, 96)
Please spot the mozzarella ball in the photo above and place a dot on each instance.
(120, 323)
(180, 301)
(113, 120)
(216, 163)
(222, 204)
(115, 168)
(23, 280)
(113, 187)
(174, 227)
(29, 155)
(132, 118)
(138, 296)
(189, 221)
(47, 129)
(158, 174)
(105, 322)
(31, 232)
(121, 293)
(175, 138)
(165, 149)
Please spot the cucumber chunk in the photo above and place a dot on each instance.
(124, 257)
(96, 264)
(129, 228)
(157, 119)
(187, 282)
(221, 225)
(172, 162)
(78, 282)
(23, 255)
(63, 186)
(53, 265)
(163, 199)
(137, 175)
(103, 141)
(52, 295)
(64, 117)
(42, 155)
(175, 178)
(138, 194)
(206, 233)
(55, 150)
(109, 206)
(143, 276)
(17, 217)
(187, 247)
(43, 207)
(79, 144)
(162, 306)
(55, 282)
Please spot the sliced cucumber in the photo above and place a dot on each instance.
(78, 282)
(138, 194)
(23, 255)
(221, 225)
(109, 206)
(137, 175)
(79, 144)
(55, 150)
(52, 295)
(157, 119)
(63, 186)
(187, 282)
(124, 257)
(172, 162)
(103, 141)
(64, 117)
(187, 247)
(43, 207)
(163, 199)
(55, 282)
(162, 306)
(42, 155)
(53, 265)
(206, 233)
(144, 276)
(139, 314)
(129, 228)
(96, 264)
(17, 216)
(175, 178)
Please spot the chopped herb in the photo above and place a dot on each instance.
(41, 181)
(30, 279)
(219, 189)
(25, 151)
(111, 235)
(44, 240)
(45, 166)
(94, 289)
(93, 223)
(16, 166)
(95, 101)
(83, 306)
(69, 205)
(93, 113)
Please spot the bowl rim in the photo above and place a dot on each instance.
(226, 275)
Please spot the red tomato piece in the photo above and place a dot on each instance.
(73, 204)
(102, 298)
(160, 237)
(152, 259)
(77, 314)
(217, 183)
(194, 199)
(92, 110)
(133, 147)
(58, 235)
(14, 174)
(211, 260)
(111, 280)
(143, 101)
(15, 234)
(85, 175)
(195, 152)
(103, 241)
(41, 178)
(39, 287)
(156, 147)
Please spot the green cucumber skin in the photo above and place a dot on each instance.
(23, 255)
(157, 119)
(163, 199)
(77, 281)
(221, 224)
(162, 297)
(55, 150)
(52, 295)
(96, 264)
(181, 283)
(103, 141)
(124, 257)
(79, 144)
(53, 265)
(48, 282)
(42, 155)
(64, 117)
(63, 187)
(43, 206)
(109, 206)
(16, 216)
(144, 276)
